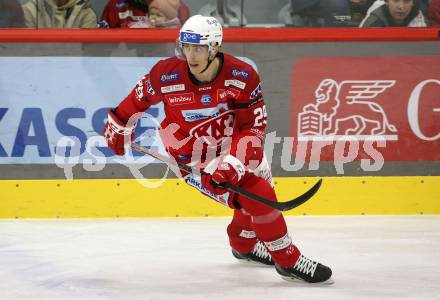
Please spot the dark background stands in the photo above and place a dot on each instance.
(11, 14)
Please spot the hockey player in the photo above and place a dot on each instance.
(215, 118)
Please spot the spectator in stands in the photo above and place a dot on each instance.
(358, 9)
(317, 13)
(164, 13)
(336, 13)
(11, 14)
(424, 6)
(161, 13)
(133, 13)
(394, 13)
(59, 14)
(434, 13)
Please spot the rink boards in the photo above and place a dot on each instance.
(395, 171)
(96, 198)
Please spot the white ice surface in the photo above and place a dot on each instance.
(372, 257)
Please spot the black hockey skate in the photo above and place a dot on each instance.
(259, 254)
(307, 270)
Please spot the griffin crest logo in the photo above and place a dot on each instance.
(346, 109)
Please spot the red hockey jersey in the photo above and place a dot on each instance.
(232, 105)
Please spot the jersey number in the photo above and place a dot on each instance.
(260, 116)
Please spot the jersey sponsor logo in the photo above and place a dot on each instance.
(216, 128)
(179, 99)
(233, 93)
(172, 88)
(204, 113)
(191, 116)
(206, 100)
(169, 77)
(222, 94)
(150, 89)
(257, 91)
(205, 88)
(236, 83)
(240, 73)
(195, 181)
(189, 37)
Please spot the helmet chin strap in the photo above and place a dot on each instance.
(207, 66)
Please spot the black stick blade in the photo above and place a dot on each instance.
(284, 206)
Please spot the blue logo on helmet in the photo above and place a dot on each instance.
(190, 37)
(206, 99)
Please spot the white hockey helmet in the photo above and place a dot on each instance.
(201, 30)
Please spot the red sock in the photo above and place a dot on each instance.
(241, 234)
(268, 224)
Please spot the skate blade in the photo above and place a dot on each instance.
(251, 262)
(298, 280)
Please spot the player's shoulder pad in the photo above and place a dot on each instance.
(170, 62)
(239, 70)
(244, 75)
(168, 70)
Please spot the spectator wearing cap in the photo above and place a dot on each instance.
(133, 13)
(11, 14)
(434, 13)
(394, 13)
(59, 14)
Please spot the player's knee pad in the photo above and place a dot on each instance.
(258, 186)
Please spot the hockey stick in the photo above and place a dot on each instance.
(281, 206)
